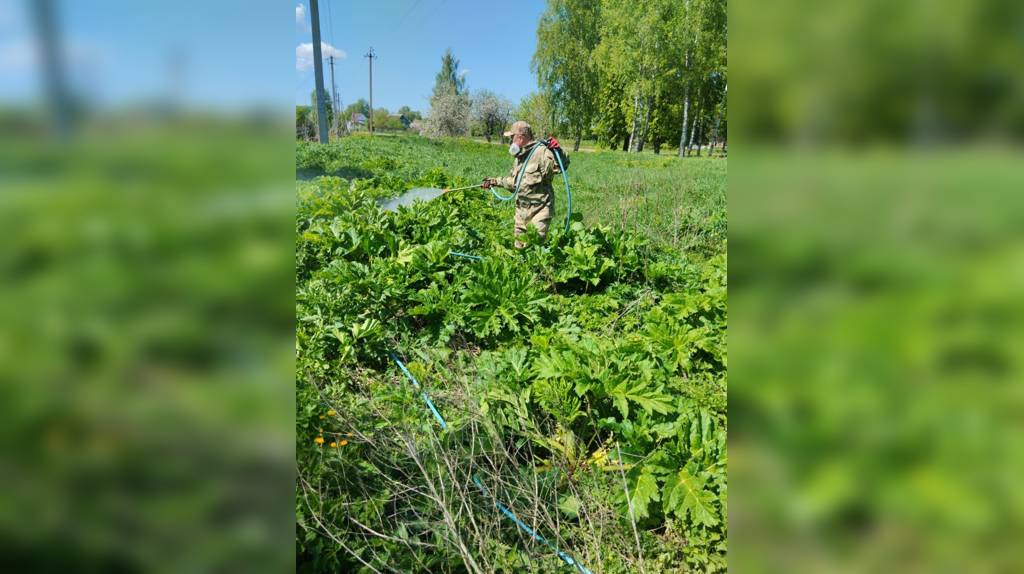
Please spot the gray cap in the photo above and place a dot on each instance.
(520, 128)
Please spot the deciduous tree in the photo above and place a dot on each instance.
(491, 112)
(568, 33)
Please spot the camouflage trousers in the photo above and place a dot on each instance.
(532, 214)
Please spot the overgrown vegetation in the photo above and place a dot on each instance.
(146, 347)
(582, 379)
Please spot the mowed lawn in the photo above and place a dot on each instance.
(677, 202)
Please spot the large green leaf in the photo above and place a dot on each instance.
(639, 392)
(689, 497)
(644, 492)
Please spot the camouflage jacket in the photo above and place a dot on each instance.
(535, 186)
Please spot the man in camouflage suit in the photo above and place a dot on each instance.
(535, 203)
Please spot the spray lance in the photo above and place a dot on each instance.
(462, 188)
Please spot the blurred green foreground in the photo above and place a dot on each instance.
(146, 348)
(876, 344)
(876, 289)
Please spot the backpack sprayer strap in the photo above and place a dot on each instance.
(522, 168)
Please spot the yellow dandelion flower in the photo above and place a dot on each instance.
(321, 417)
(344, 442)
(334, 445)
(319, 440)
(330, 413)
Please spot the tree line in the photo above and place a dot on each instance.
(306, 119)
(626, 73)
(632, 73)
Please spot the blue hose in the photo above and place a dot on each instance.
(423, 394)
(466, 255)
(483, 489)
(519, 179)
(533, 534)
(568, 194)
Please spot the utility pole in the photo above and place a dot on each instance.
(318, 67)
(53, 68)
(334, 99)
(371, 55)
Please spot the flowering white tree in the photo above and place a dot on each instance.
(449, 104)
(491, 112)
(449, 116)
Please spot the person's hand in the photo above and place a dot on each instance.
(488, 182)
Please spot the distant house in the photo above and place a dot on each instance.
(358, 121)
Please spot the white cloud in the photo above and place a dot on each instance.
(304, 55)
(300, 14)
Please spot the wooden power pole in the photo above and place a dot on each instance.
(371, 55)
(334, 99)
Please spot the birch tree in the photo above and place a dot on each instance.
(568, 33)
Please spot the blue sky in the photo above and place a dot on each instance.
(492, 40)
(231, 52)
(242, 52)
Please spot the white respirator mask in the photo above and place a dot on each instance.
(514, 149)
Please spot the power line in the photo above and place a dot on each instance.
(335, 101)
(402, 20)
(330, 23)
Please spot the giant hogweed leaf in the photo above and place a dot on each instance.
(687, 496)
(405, 253)
(675, 343)
(639, 392)
(517, 361)
(644, 492)
(570, 506)
(553, 365)
(502, 298)
(557, 398)
(702, 437)
(582, 261)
